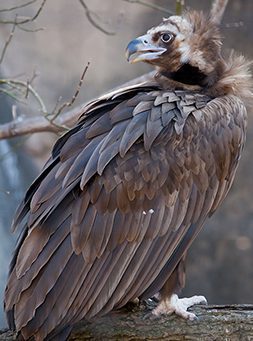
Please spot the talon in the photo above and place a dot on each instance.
(179, 306)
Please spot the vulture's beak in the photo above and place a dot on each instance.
(143, 49)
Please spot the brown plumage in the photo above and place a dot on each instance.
(127, 190)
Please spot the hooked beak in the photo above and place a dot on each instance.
(143, 49)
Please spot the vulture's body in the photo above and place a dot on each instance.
(127, 190)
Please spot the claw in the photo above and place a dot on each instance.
(179, 306)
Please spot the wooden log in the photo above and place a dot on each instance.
(214, 322)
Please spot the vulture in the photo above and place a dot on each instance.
(126, 191)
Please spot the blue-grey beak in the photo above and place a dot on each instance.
(143, 49)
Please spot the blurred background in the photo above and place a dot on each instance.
(52, 52)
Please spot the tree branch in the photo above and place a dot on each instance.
(217, 10)
(94, 18)
(216, 322)
(23, 126)
(18, 22)
(8, 41)
(26, 20)
(17, 6)
(26, 88)
(213, 323)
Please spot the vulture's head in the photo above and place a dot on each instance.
(183, 48)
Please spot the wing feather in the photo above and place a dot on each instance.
(35, 295)
(100, 126)
(133, 132)
(37, 239)
(66, 286)
(80, 233)
(13, 291)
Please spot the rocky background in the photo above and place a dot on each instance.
(220, 260)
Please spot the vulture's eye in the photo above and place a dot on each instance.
(166, 37)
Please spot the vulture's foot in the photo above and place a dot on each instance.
(179, 306)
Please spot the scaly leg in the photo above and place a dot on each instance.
(170, 302)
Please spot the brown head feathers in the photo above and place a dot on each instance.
(196, 59)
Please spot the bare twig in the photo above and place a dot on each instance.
(150, 5)
(217, 10)
(19, 24)
(17, 7)
(10, 94)
(27, 87)
(26, 20)
(20, 127)
(7, 43)
(30, 29)
(57, 111)
(91, 15)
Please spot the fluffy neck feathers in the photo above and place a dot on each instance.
(231, 77)
(236, 79)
